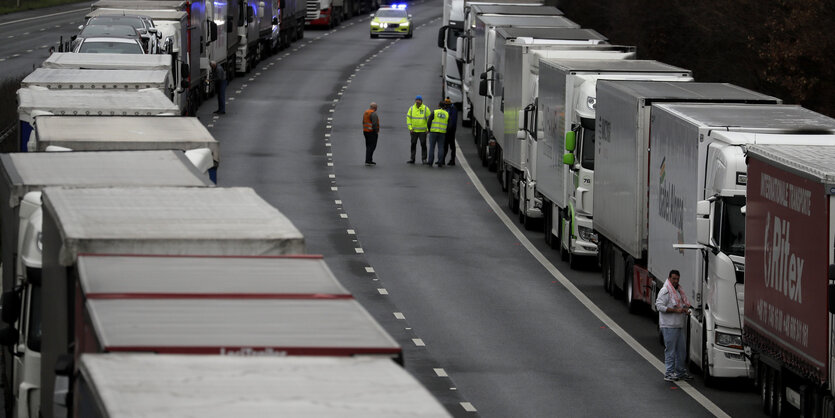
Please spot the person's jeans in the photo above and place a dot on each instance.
(674, 351)
(449, 145)
(415, 137)
(370, 145)
(436, 138)
(221, 96)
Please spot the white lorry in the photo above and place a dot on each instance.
(134, 133)
(36, 102)
(680, 184)
(24, 176)
(451, 41)
(216, 387)
(142, 220)
(258, 33)
(563, 181)
(73, 79)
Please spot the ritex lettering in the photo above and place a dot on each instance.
(783, 269)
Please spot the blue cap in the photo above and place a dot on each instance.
(419, 97)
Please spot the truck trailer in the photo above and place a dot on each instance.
(564, 170)
(24, 176)
(223, 386)
(789, 289)
(683, 209)
(153, 221)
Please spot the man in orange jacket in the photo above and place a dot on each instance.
(370, 129)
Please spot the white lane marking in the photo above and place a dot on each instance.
(211, 125)
(343, 215)
(330, 118)
(237, 92)
(418, 342)
(330, 110)
(351, 232)
(25, 33)
(15, 55)
(330, 154)
(29, 50)
(369, 269)
(333, 176)
(2, 59)
(331, 165)
(10, 37)
(333, 189)
(359, 250)
(327, 127)
(382, 291)
(594, 309)
(441, 372)
(41, 29)
(41, 17)
(327, 144)
(399, 315)
(327, 135)
(231, 98)
(468, 407)
(338, 202)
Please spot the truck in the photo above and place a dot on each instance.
(330, 13)
(681, 187)
(789, 290)
(562, 186)
(258, 32)
(451, 41)
(141, 220)
(36, 102)
(215, 386)
(134, 133)
(194, 32)
(176, 88)
(483, 47)
(24, 176)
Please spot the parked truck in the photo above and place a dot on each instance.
(36, 102)
(24, 176)
(120, 133)
(330, 13)
(153, 221)
(194, 33)
(452, 42)
(680, 187)
(789, 288)
(563, 183)
(484, 49)
(264, 386)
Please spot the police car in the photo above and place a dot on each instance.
(392, 20)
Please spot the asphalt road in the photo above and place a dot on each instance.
(25, 37)
(492, 322)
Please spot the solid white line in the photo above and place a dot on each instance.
(620, 332)
(41, 17)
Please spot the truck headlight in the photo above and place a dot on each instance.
(591, 102)
(728, 340)
(587, 234)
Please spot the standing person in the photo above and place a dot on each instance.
(417, 120)
(219, 76)
(438, 122)
(449, 141)
(673, 308)
(370, 129)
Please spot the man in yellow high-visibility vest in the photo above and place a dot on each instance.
(437, 132)
(417, 120)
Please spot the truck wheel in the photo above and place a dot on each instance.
(778, 395)
(573, 260)
(631, 304)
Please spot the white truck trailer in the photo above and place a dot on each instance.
(73, 79)
(153, 221)
(684, 191)
(789, 290)
(134, 133)
(36, 102)
(222, 386)
(564, 177)
(24, 176)
(451, 41)
(483, 50)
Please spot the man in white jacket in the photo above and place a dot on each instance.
(672, 313)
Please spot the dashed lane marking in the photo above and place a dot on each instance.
(351, 232)
(399, 315)
(343, 215)
(333, 189)
(382, 291)
(441, 372)
(418, 342)
(330, 164)
(582, 298)
(333, 176)
(359, 250)
(369, 269)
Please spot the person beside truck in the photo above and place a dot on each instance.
(449, 141)
(672, 307)
(417, 120)
(370, 130)
(438, 121)
(219, 76)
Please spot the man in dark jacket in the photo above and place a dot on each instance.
(219, 76)
(449, 143)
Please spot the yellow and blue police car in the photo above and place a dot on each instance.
(392, 20)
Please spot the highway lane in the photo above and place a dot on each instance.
(510, 338)
(25, 37)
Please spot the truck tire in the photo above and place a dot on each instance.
(778, 397)
(574, 261)
(548, 222)
(629, 283)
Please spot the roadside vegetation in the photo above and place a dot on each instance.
(8, 113)
(778, 47)
(10, 6)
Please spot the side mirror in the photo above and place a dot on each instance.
(568, 159)
(10, 302)
(482, 87)
(212, 31)
(459, 49)
(442, 37)
(703, 222)
(570, 141)
(521, 135)
(261, 7)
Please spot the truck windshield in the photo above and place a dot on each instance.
(588, 149)
(452, 39)
(732, 233)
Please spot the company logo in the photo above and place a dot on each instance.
(670, 205)
(783, 269)
(251, 352)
